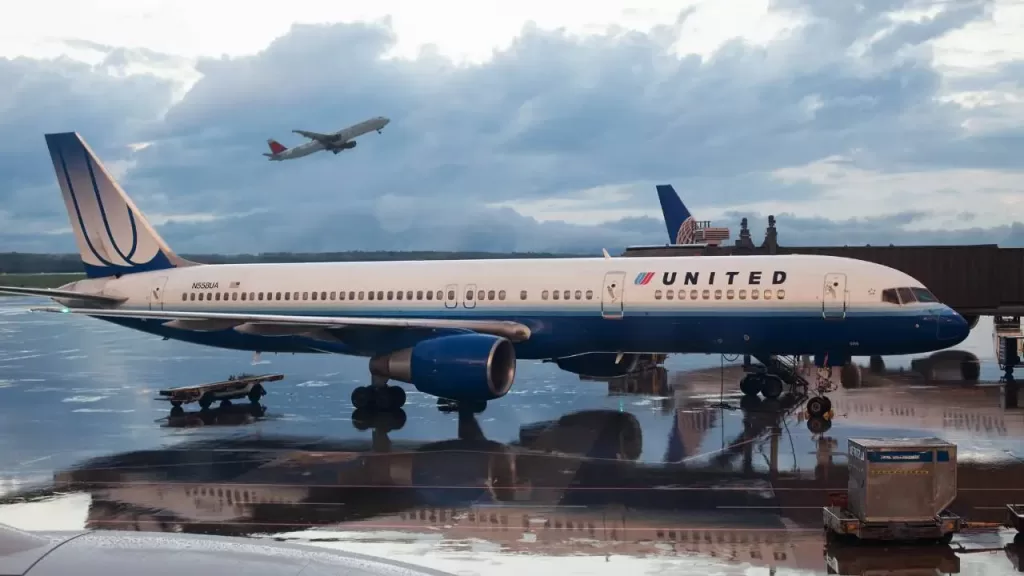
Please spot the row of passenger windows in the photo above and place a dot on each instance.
(350, 295)
(907, 295)
(730, 294)
(489, 295)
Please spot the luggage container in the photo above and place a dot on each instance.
(899, 489)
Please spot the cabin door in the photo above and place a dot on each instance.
(156, 293)
(451, 296)
(469, 300)
(612, 295)
(833, 297)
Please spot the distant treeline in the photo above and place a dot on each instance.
(24, 263)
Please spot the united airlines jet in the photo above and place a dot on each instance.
(455, 329)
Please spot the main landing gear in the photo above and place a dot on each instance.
(378, 396)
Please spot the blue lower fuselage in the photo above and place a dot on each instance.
(782, 330)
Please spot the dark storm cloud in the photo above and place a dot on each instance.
(548, 116)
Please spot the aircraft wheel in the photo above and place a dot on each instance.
(382, 398)
(362, 398)
(818, 406)
(396, 396)
(970, 371)
(750, 403)
(362, 419)
(771, 387)
(818, 425)
(225, 404)
(177, 411)
(750, 385)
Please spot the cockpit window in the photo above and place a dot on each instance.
(924, 295)
(906, 296)
(890, 296)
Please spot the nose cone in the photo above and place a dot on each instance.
(953, 328)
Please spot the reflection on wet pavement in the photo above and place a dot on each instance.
(667, 471)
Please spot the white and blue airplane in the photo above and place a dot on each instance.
(455, 329)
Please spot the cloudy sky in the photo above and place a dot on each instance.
(522, 125)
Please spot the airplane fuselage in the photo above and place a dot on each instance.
(738, 304)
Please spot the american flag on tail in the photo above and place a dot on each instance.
(687, 233)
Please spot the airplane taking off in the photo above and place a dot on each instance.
(335, 142)
(454, 329)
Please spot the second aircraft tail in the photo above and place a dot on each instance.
(678, 220)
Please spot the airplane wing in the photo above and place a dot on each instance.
(322, 138)
(284, 324)
(64, 294)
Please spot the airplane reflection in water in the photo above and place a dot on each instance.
(565, 481)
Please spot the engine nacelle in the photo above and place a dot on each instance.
(599, 364)
(348, 145)
(466, 367)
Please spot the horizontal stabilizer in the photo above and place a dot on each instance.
(63, 294)
(514, 331)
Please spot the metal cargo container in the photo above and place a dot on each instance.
(900, 480)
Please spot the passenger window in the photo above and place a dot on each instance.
(360, 295)
(906, 296)
(657, 294)
(305, 296)
(184, 296)
(391, 294)
(682, 294)
(260, 295)
(287, 295)
(522, 294)
(924, 295)
(369, 295)
(544, 295)
(380, 294)
(451, 295)
(706, 294)
(419, 295)
(718, 294)
(323, 295)
(767, 294)
(243, 295)
(743, 294)
(755, 294)
(252, 295)
(296, 295)
(400, 295)
(278, 296)
(341, 295)
(333, 294)
(565, 294)
(554, 294)
(469, 294)
(780, 294)
(579, 294)
(408, 294)
(314, 295)
(192, 297)
(890, 296)
(480, 295)
(693, 294)
(730, 294)
(590, 294)
(490, 294)
(440, 296)
(501, 294)
(669, 294)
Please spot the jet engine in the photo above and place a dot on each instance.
(463, 367)
(599, 364)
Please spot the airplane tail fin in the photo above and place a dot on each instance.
(275, 147)
(678, 220)
(113, 235)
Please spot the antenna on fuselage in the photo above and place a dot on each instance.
(606, 255)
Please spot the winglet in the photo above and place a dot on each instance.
(606, 255)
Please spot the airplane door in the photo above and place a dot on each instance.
(451, 296)
(156, 293)
(612, 295)
(833, 298)
(469, 298)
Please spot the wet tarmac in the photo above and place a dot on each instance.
(665, 473)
